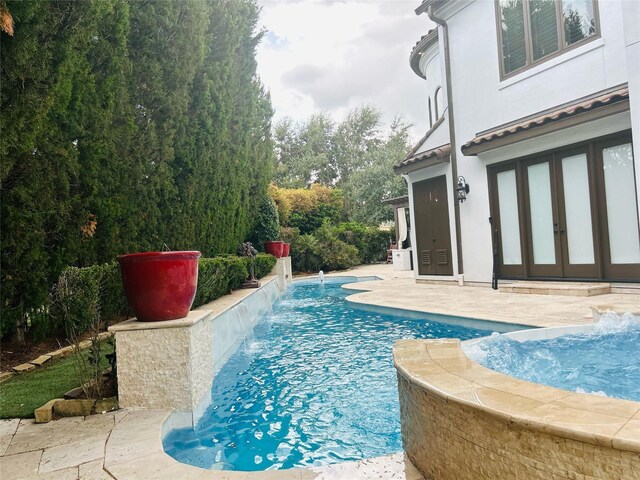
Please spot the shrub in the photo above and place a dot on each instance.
(264, 264)
(77, 299)
(82, 293)
(335, 254)
(308, 208)
(267, 225)
(322, 251)
(371, 242)
(83, 296)
(219, 275)
(304, 254)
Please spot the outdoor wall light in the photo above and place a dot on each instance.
(462, 189)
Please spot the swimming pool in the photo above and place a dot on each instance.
(605, 360)
(315, 384)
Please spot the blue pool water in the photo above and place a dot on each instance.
(605, 361)
(315, 385)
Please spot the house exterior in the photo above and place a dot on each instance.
(535, 112)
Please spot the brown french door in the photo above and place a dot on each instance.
(433, 237)
(560, 212)
(568, 214)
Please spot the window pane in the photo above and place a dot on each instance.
(514, 53)
(509, 221)
(439, 103)
(544, 247)
(577, 205)
(579, 20)
(544, 27)
(622, 214)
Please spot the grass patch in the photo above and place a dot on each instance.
(22, 394)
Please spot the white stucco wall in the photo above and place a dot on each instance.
(431, 65)
(482, 101)
(631, 18)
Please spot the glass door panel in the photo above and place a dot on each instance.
(509, 221)
(621, 206)
(541, 214)
(577, 210)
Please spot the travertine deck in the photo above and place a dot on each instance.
(127, 444)
(399, 290)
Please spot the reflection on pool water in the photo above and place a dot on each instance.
(604, 361)
(315, 384)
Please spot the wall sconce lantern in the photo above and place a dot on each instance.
(462, 189)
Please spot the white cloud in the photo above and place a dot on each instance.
(334, 56)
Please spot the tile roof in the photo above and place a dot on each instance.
(432, 157)
(420, 47)
(571, 109)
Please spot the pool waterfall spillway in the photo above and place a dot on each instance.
(171, 364)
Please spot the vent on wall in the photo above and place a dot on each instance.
(442, 257)
(425, 257)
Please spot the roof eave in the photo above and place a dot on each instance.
(421, 47)
(593, 107)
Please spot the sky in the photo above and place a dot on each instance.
(332, 56)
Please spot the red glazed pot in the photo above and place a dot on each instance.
(285, 249)
(160, 285)
(274, 248)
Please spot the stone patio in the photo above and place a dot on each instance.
(127, 444)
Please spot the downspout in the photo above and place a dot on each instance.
(452, 131)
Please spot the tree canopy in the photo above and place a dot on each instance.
(355, 155)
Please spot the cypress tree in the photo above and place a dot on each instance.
(126, 125)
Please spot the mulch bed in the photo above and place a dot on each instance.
(13, 354)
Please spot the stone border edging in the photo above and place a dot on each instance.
(45, 358)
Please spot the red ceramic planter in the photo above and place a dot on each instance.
(160, 285)
(274, 248)
(285, 249)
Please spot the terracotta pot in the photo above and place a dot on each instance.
(285, 249)
(274, 248)
(160, 285)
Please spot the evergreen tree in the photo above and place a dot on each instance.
(126, 125)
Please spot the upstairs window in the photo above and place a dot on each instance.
(439, 103)
(530, 31)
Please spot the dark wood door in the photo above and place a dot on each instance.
(433, 236)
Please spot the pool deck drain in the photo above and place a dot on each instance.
(127, 444)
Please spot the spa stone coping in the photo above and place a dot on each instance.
(441, 367)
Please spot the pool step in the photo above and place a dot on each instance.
(570, 289)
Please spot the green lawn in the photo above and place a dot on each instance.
(22, 394)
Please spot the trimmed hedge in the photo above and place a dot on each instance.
(79, 290)
(264, 264)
